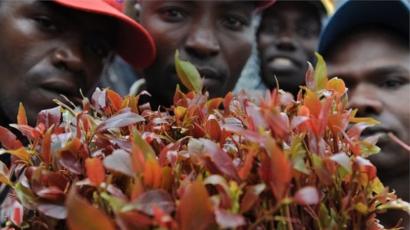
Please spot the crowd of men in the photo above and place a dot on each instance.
(366, 43)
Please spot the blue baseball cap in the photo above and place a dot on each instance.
(353, 14)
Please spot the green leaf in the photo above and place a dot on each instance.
(20, 153)
(4, 172)
(367, 149)
(377, 186)
(320, 72)
(343, 160)
(115, 203)
(25, 196)
(149, 153)
(298, 154)
(398, 204)
(361, 208)
(188, 74)
(317, 161)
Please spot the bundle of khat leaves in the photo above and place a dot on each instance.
(222, 163)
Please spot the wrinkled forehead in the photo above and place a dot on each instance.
(365, 43)
(365, 52)
(215, 4)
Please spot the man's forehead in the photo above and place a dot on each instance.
(250, 4)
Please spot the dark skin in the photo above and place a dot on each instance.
(215, 36)
(374, 63)
(44, 55)
(287, 38)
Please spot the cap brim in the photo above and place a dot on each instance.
(354, 14)
(134, 44)
(263, 4)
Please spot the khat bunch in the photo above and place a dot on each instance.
(221, 163)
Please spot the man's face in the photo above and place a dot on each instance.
(375, 67)
(215, 36)
(43, 54)
(287, 38)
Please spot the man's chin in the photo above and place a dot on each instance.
(285, 79)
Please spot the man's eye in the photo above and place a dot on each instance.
(100, 48)
(234, 23)
(305, 32)
(173, 14)
(392, 83)
(46, 23)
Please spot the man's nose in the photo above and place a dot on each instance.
(285, 41)
(202, 42)
(364, 98)
(69, 56)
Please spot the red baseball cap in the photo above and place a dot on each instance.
(134, 44)
(263, 4)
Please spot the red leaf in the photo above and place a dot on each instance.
(31, 133)
(21, 115)
(312, 102)
(120, 120)
(69, 156)
(214, 103)
(213, 129)
(366, 167)
(337, 86)
(114, 98)
(71, 162)
(279, 123)
(245, 133)
(343, 160)
(298, 120)
(8, 140)
(53, 210)
(310, 77)
(220, 158)
(119, 161)
(356, 130)
(95, 170)
(195, 208)
(98, 99)
(227, 101)
(255, 115)
(17, 213)
(51, 193)
(137, 158)
(46, 147)
(246, 168)
(279, 169)
(155, 198)
(251, 197)
(82, 215)
(307, 196)
(49, 117)
(133, 220)
(227, 219)
(152, 173)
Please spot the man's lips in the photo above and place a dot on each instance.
(208, 73)
(283, 63)
(210, 76)
(54, 87)
(377, 133)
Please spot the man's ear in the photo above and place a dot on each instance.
(132, 9)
